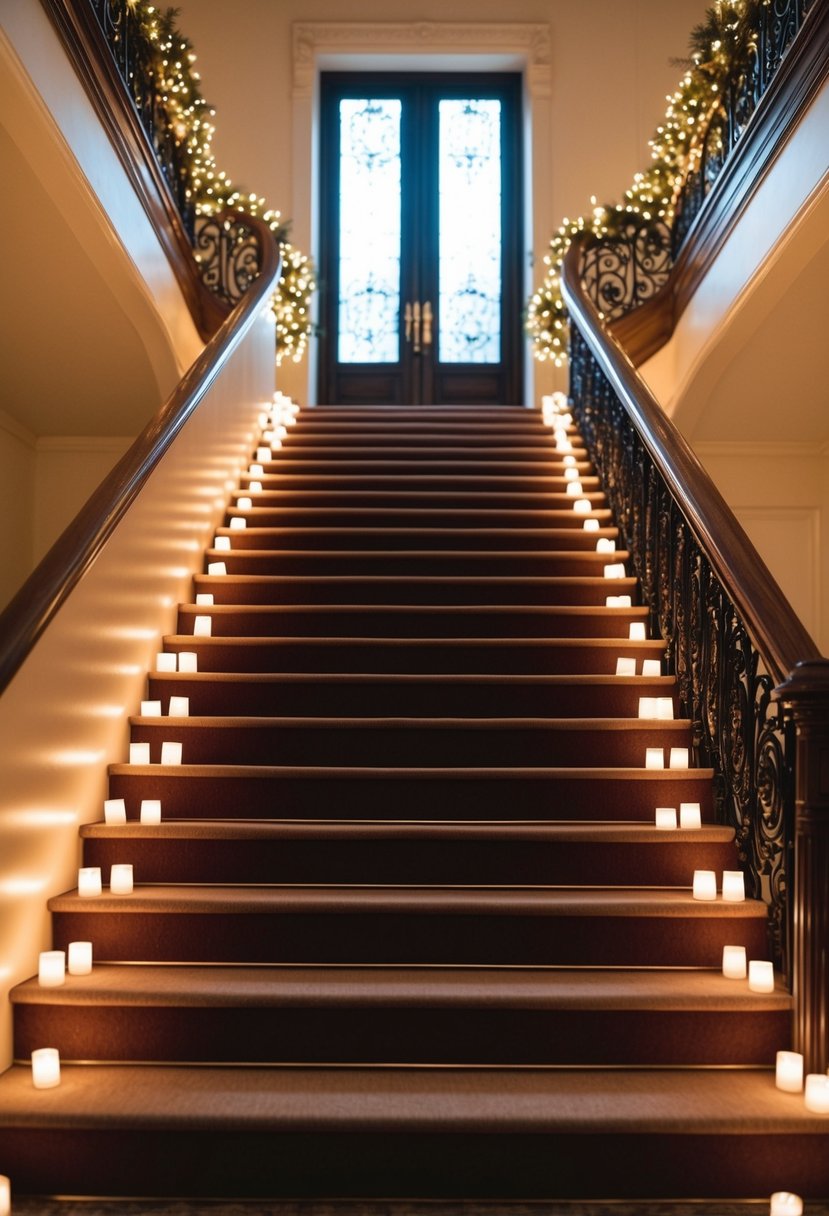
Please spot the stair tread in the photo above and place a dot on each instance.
(665, 683)
(385, 722)
(545, 988)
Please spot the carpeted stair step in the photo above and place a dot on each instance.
(396, 463)
(570, 545)
(309, 694)
(515, 854)
(414, 480)
(413, 742)
(393, 1016)
(427, 561)
(554, 517)
(448, 498)
(460, 926)
(192, 791)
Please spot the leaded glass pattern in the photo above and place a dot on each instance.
(369, 235)
(469, 273)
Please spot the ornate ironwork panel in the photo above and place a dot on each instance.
(621, 272)
(738, 730)
(228, 256)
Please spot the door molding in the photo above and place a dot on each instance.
(525, 47)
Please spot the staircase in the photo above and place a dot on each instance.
(407, 928)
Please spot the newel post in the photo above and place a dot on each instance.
(805, 697)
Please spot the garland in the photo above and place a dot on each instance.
(717, 47)
(167, 60)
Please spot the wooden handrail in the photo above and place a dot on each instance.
(802, 71)
(90, 56)
(777, 632)
(40, 597)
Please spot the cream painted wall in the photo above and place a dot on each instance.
(17, 472)
(610, 72)
(67, 470)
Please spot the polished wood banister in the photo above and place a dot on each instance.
(802, 72)
(78, 29)
(40, 597)
(777, 632)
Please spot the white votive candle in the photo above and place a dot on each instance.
(575, 489)
(165, 661)
(263, 454)
(705, 884)
(679, 757)
(150, 709)
(204, 599)
(571, 473)
(5, 1196)
(615, 570)
(651, 667)
(605, 544)
(255, 487)
(582, 506)
(690, 815)
(46, 1068)
(216, 568)
(171, 753)
(733, 886)
(280, 431)
(179, 707)
(788, 1072)
(625, 667)
(569, 462)
(188, 660)
(51, 968)
(139, 753)
(79, 958)
(564, 445)
(202, 627)
(666, 818)
(816, 1093)
(654, 757)
(786, 1203)
(734, 962)
(760, 976)
(222, 543)
(591, 525)
(637, 631)
(115, 810)
(89, 881)
(238, 522)
(647, 707)
(150, 810)
(120, 880)
(665, 708)
(244, 504)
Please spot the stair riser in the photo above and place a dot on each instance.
(318, 697)
(407, 591)
(555, 513)
(397, 623)
(461, 479)
(158, 858)
(392, 938)
(579, 555)
(423, 658)
(416, 746)
(191, 793)
(321, 458)
(432, 563)
(400, 1034)
(448, 499)
(393, 462)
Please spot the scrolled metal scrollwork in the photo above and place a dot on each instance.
(624, 270)
(228, 254)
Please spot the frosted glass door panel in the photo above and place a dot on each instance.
(369, 236)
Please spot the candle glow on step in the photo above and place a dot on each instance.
(179, 707)
(188, 660)
(256, 470)
(625, 667)
(46, 1068)
(221, 543)
(51, 968)
(816, 1093)
(582, 506)
(654, 757)
(5, 1196)
(637, 631)
(760, 976)
(665, 709)
(244, 504)
(89, 882)
(204, 599)
(263, 454)
(705, 884)
(569, 462)
(689, 815)
(666, 818)
(575, 489)
(679, 757)
(216, 568)
(591, 525)
(618, 601)
(150, 811)
(605, 544)
(733, 886)
(571, 473)
(651, 667)
(238, 522)
(647, 707)
(139, 753)
(120, 879)
(202, 627)
(616, 570)
(255, 487)
(786, 1203)
(164, 661)
(734, 962)
(150, 709)
(788, 1073)
(115, 810)
(79, 958)
(171, 753)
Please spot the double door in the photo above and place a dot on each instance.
(421, 239)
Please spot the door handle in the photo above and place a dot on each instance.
(412, 316)
(407, 320)
(427, 324)
(416, 326)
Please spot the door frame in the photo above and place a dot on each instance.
(523, 47)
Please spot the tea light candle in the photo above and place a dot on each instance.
(571, 473)
(221, 542)
(575, 489)
(647, 707)
(171, 753)
(202, 627)
(616, 570)
(5, 1196)
(115, 810)
(120, 880)
(256, 470)
(216, 568)
(51, 968)
(79, 958)
(637, 631)
(666, 817)
(625, 667)
(582, 506)
(46, 1068)
(564, 445)
(569, 462)
(244, 504)
(179, 707)
(605, 544)
(238, 522)
(267, 436)
(705, 884)
(689, 815)
(204, 600)
(139, 753)
(89, 882)
(788, 1073)
(734, 962)
(760, 976)
(591, 525)
(188, 660)
(150, 810)
(150, 709)
(654, 757)
(165, 661)
(280, 431)
(816, 1093)
(255, 487)
(651, 667)
(665, 708)
(733, 886)
(786, 1203)
(679, 757)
